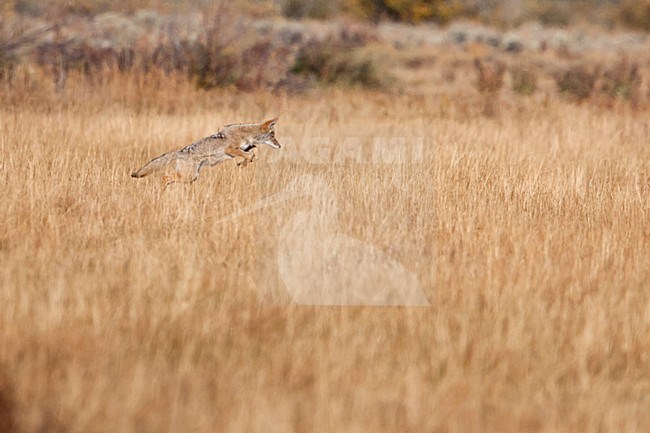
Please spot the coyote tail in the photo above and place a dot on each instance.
(155, 164)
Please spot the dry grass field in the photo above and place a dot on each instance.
(128, 309)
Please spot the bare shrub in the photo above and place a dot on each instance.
(578, 81)
(490, 75)
(490, 80)
(38, 8)
(213, 65)
(258, 59)
(217, 55)
(622, 80)
(338, 59)
(7, 406)
(214, 57)
(13, 38)
(636, 14)
(60, 58)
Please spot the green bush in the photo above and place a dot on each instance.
(406, 10)
(318, 9)
(524, 80)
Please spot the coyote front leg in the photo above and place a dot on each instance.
(248, 156)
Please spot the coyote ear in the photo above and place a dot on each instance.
(270, 124)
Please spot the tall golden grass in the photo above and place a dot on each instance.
(124, 308)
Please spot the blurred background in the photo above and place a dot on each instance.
(578, 48)
(504, 13)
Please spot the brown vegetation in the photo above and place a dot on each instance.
(578, 81)
(490, 75)
(634, 14)
(7, 406)
(622, 80)
(124, 309)
(524, 219)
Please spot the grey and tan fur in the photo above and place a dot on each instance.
(236, 140)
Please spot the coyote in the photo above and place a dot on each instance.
(236, 140)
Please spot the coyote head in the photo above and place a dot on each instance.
(252, 134)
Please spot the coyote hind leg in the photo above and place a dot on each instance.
(168, 180)
(185, 172)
